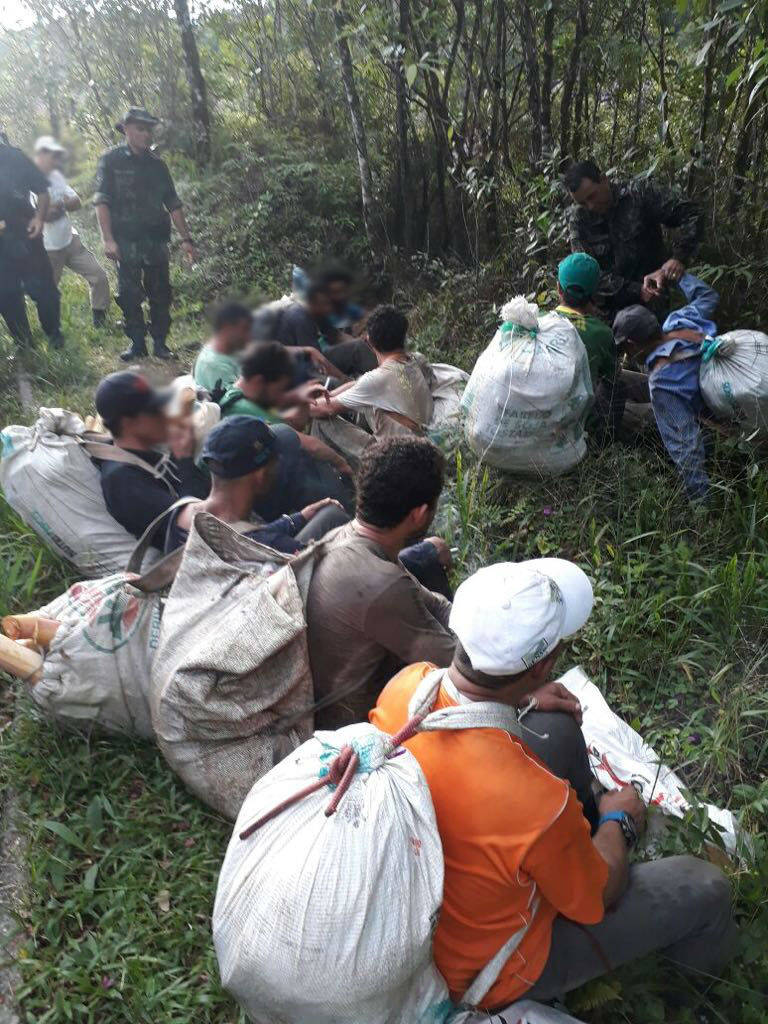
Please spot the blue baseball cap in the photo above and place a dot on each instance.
(239, 445)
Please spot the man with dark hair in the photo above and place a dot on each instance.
(265, 383)
(395, 397)
(242, 456)
(523, 874)
(217, 367)
(577, 280)
(135, 203)
(145, 482)
(350, 355)
(620, 224)
(671, 354)
(24, 263)
(366, 614)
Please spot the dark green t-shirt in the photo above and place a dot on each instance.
(234, 403)
(598, 341)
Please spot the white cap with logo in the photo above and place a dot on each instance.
(510, 615)
(47, 144)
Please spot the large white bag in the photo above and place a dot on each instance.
(50, 482)
(96, 670)
(619, 756)
(447, 384)
(734, 377)
(330, 919)
(529, 394)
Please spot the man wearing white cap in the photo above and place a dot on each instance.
(60, 238)
(519, 857)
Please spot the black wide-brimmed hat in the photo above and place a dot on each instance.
(138, 115)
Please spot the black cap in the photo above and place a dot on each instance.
(128, 394)
(239, 445)
(637, 324)
(138, 115)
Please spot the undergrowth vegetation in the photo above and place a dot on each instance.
(123, 862)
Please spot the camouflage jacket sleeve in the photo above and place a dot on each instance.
(104, 193)
(673, 210)
(171, 200)
(613, 291)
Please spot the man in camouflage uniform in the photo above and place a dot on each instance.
(620, 225)
(135, 203)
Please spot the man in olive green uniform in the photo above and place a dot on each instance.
(135, 203)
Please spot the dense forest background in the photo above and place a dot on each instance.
(407, 134)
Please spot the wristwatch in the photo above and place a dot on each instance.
(628, 829)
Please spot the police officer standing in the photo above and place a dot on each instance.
(135, 203)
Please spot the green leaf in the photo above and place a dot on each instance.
(94, 816)
(64, 833)
(89, 881)
(410, 74)
(701, 56)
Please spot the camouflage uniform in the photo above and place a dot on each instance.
(627, 241)
(140, 194)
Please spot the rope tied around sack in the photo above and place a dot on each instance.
(709, 347)
(341, 771)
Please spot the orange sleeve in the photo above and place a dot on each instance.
(567, 868)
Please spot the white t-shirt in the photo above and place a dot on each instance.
(399, 387)
(57, 234)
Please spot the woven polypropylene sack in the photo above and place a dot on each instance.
(734, 379)
(51, 483)
(528, 397)
(232, 665)
(330, 919)
(96, 671)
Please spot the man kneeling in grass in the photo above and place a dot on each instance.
(523, 875)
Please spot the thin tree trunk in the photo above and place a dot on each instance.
(197, 87)
(358, 127)
(528, 40)
(639, 94)
(403, 204)
(53, 109)
(569, 80)
(547, 69)
(706, 99)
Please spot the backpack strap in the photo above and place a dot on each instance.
(139, 552)
(112, 453)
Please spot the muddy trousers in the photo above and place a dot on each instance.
(137, 279)
(31, 274)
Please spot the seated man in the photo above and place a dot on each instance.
(521, 867)
(241, 455)
(395, 397)
(671, 354)
(132, 411)
(367, 615)
(577, 277)
(217, 367)
(350, 354)
(265, 390)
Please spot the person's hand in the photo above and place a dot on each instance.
(35, 227)
(112, 250)
(311, 392)
(311, 510)
(652, 286)
(673, 270)
(444, 556)
(627, 800)
(343, 467)
(316, 357)
(189, 251)
(556, 697)
(181, 440)
(55, 212)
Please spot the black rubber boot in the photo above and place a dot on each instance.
(138, 350)
(160, 350)
(99, 318)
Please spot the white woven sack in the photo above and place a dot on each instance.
(97, 668)
(529, 394)
(51, 483)
(734, 377)
(330, 919)
(447, 384)
(523, 1012)
(231, 686)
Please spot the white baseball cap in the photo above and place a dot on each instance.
(47, 144)
(510, 615)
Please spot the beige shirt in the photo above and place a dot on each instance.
(399, 387)
(367, 617)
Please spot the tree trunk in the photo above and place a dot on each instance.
(547, 69)
(53, 109)
(403, 204)
(197, 87)
(528, 40)
(706, 99)
(639, 94)
(358, 127)
(569, 80)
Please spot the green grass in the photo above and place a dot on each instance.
(677, 643)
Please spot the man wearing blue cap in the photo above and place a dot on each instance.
(241, 454)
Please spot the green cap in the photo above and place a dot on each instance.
(579, 274)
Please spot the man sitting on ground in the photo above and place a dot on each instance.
(351, 355)
(520, 863)
(242, 457)
(367, 615)
(395, 397)
(217, 367)
(577, 278)
(672, 355)
(132, 411)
